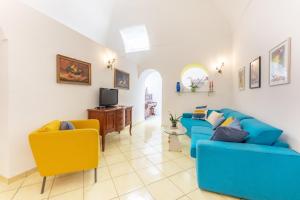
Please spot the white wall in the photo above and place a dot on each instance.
(265, 24)
(34, 96)
(180, 34)
(153, 83)
(3, 102)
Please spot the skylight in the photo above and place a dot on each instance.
(135, 39)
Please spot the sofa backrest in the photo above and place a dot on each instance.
(226, 111)
(239, 116)
(260, 132)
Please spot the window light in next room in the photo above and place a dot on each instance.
(135, 39)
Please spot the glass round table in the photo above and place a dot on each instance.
(174, 143)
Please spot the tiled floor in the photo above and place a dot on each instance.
(139, 167)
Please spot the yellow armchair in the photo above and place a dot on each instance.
(58, 152)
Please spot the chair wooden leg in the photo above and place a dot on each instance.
(95, 175)
(43, 185)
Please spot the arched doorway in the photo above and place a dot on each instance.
(152, 91)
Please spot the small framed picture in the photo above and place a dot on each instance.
(255, 73)
(242, 78)
(280, 64)
(121, 79)
(72, 71)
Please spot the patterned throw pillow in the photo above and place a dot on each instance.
(65, 125)
(228, 121)
(219, 122)
(213, 117)
(199, 114)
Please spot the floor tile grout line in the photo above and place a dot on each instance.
(18, 188)
(51, 187)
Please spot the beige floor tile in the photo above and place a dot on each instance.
(169, 168)
(185, 162)
(127, 183)
(158, 158)
(184, 181)
(102, 190)
(192, 171)
(7, 187)
(67, 183)
(113, 159)
(165, 190)
(130, 155)
(140, 194)
(204, 195)
(7, 195)
(32, 192)
(173, 155)
(149, 175)
(184, 198)
(149, 151)
(120, 169)
(102, 175)
(102, 162)
(72, 195)
(140, 163)
(36, 178)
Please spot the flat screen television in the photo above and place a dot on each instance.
(108, 97)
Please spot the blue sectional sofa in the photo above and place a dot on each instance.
(262, 168)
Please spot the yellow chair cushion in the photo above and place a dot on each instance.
(52, 126)
(228, 121)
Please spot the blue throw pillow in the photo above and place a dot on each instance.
(65, 125)
(229, 134)
(218, 122)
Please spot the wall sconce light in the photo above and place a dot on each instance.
(220, 68)
(110, 63)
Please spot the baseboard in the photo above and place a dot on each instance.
(17, 177)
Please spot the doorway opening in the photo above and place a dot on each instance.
(152, 95)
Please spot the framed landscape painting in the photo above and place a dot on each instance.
(242, 78)
(280, 64)
(121, 79)
(255, 73)
(72, 71)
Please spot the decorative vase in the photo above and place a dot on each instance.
(178, 87)
(193, 89)
(174, 124)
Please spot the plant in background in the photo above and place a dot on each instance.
(197, 83)
(174, 120)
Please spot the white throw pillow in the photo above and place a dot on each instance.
(213, 117)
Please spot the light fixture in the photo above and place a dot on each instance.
(110, 63)
(220, 68)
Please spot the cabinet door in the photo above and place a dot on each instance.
(128, 116)
(120, 119)
(110, 121)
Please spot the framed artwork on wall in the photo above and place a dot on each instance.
(121, 79)
(255, 73)
(280, 63)
(72, 71)
(242, 78)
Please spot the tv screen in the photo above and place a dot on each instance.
(108, 97)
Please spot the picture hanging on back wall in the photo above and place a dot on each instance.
(255, 73)
(280, 64)
(242, 78)
(121, 79)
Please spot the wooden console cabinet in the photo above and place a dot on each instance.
(112, 119)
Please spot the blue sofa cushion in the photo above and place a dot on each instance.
(188, 123)
(226, 111)
(195, 139)
(239, 116)
(259, 132)
(202, 130)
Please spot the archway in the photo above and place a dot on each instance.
(152, 91)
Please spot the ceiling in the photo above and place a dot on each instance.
(174, 26)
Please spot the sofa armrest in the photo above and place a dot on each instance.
(187, 115)
(89, 123)
(58, 152)
(248, 171)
